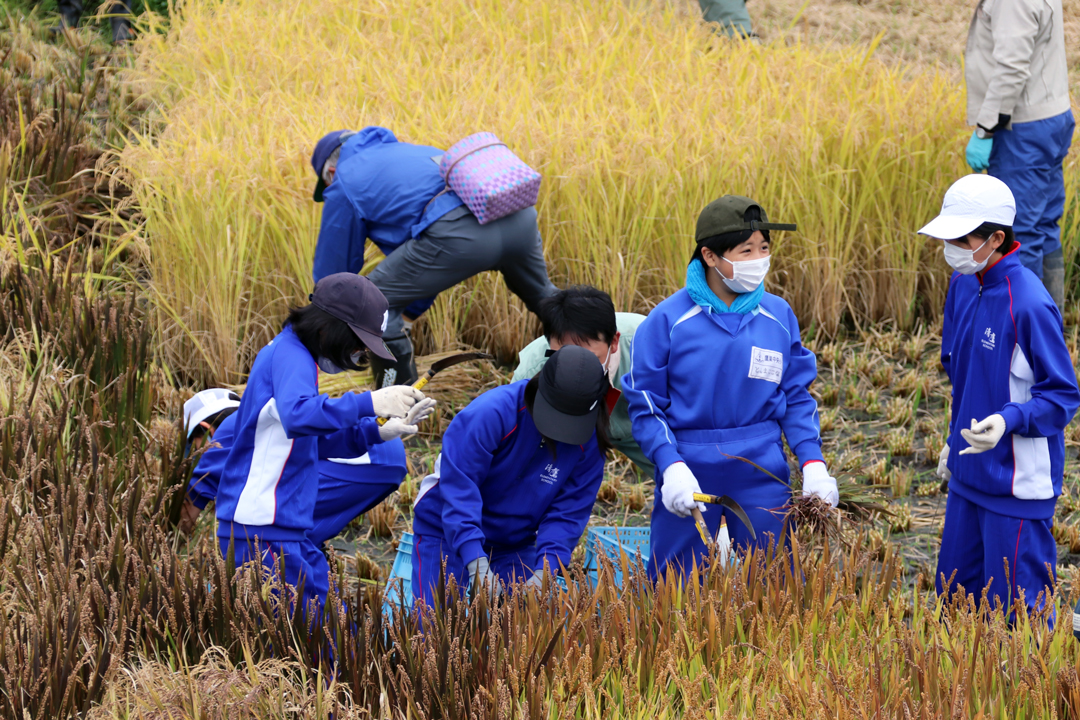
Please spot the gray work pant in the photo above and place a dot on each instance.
(454, 248)
(71, 12)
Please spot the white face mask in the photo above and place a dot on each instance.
(746, 275)
(611, 364)
(963, 261)
(330, 368)
(327, 366)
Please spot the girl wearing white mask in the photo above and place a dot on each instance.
(718, 373)
(1014, 391)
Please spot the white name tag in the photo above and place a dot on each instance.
(766, 365)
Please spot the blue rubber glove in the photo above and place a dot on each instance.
(978, 152)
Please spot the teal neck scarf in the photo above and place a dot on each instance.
(702, 294)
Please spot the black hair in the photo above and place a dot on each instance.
(579, 312)
(214, 421)
(984, 231)
(325, 336)
(720, 244)
(602, 439)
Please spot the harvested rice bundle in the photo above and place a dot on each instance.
(857, 502)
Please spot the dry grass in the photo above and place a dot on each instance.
(924, 33)
(219, 689)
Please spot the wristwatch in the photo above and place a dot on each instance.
(982, 133)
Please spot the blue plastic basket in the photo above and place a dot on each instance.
(613, 543)
(399, 586)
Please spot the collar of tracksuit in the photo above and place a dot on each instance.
(996, 273)
(702, 294)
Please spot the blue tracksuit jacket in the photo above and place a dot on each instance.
(1004, 350)
(283, 427)
(693, 369)
(203, 488)
(496, 485)
(382, 190)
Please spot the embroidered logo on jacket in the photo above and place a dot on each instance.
(989, 338)
(550, 475)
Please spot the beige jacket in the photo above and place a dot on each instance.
(1015, 62)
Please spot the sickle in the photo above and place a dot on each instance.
(440, 365)
(730, 505)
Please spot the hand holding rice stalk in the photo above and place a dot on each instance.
(812, 511)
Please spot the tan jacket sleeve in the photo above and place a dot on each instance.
(1015, 26)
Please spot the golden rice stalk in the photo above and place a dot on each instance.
(636, 115)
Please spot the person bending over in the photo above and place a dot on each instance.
(585, 316)
(374, 186)
(284, 426)
(515, 483)
(348, 487)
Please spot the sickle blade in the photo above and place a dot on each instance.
(440, 365)
(739, 513)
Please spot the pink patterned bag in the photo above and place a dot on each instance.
(492, 181)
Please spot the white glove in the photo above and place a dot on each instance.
(678, 490)
(816, 480)
(983, 435)
(480, 575)
(397, 427)
(395, 401)
(943, 464)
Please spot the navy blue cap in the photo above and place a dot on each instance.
(572, 389)
(356, 301)
(323, 150)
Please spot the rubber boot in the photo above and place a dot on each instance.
(1054, 277)
(400, 372)
(120, 22)
(70, 14)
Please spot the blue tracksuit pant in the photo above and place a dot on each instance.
(1028, 158)
(339, 502)
(713, 455)
(304, 564)
(430, 552)
(984, 548)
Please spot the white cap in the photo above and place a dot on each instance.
(207, 403)
(971, 201)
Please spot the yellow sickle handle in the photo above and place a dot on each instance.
(699, 521)
(710, 499)
(419, 385)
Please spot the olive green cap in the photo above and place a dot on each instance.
(727, 214)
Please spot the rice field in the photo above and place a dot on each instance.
(636, 114)
(156, 219)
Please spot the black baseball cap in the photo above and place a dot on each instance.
(355, 300)
(323, 150)
(572, 388)
(728, 215)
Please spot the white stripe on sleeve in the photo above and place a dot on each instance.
(257, 504)
(1031, 456)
